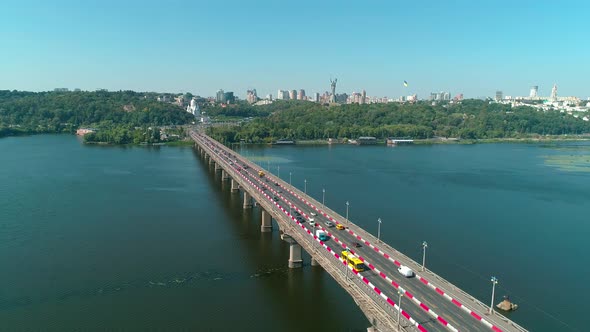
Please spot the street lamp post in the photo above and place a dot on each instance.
(347, 204)
(494, 281)
(424, 246)
(289, 178)
(305, 186)
(323, 197)
(379, 230)
(279, 172)
(268, 165)
(399, 305)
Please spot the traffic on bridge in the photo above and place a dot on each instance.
(415, 299)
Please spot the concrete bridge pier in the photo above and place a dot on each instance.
(247, 200)
(266, 225)
(234, 186)
(314, 262)
(217, 166)
(295, 260)
(224, 175)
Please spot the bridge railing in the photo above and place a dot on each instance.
(335, 268)
(442, 283)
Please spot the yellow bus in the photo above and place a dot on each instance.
(353, 261)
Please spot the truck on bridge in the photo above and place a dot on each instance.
(260, 173)
(321, 235)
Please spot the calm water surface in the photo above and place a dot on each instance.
(139, 238)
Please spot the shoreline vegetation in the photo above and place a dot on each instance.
(138, 118)
(120, 117)
(432, 141)
(469, 121)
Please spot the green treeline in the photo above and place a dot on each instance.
(56, 112)
(471, 119)
(135, 135)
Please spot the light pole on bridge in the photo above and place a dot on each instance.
(399, 307)
(323, 197)
(289, 178)
(379, 230)
(279, 171)
(494, 281)
(424, 246)
(305, 181)
(347, 204)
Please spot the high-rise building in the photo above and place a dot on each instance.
(220, 96)
(301, 95)
(316, 97)
(293, 94)
(364, 97)
(283, 95)
(534, 92)
(251, 96)
(229, 97)
(554, 93)
(498, 95)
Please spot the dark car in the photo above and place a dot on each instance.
(276, 198)
(356, 244)
(276, 183)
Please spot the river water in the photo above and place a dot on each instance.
(136, 238)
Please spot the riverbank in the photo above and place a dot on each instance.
(429, 141)
(173, 143)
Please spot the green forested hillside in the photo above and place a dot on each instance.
(53, 112)
(471, 119)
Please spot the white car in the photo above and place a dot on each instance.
(311, 221)
(329, 224)
(405, 271)
(313, 214)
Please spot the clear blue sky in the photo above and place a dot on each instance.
(472, 47)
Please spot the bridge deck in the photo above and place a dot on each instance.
(430, 303)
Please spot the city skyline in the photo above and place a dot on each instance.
(235, 46)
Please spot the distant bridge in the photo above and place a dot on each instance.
(428, 302)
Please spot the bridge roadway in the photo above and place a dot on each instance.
(423, 298)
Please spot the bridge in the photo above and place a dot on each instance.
(389, 300)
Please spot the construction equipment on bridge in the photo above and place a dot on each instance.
(260, 173)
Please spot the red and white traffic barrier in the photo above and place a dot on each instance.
(397, 263)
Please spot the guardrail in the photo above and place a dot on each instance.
(442, 284)
(368, 307)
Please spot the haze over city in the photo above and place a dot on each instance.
(199, 47)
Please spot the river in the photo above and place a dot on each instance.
(135, 238)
